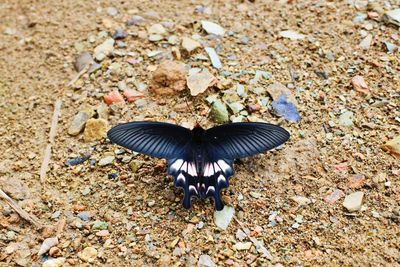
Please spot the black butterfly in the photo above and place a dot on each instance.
(201, 161)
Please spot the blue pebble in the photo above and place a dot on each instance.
(286, 109)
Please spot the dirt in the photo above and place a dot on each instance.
(146, 225)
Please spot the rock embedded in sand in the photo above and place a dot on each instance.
(103, 50)
(219, 112)
(189, 44)
(79, 121)
(199, 82)
(223, 217)
(89, 254)
(205, 261)
(169, 78)
(353, 201)
(212, 28)
(114, 97)
(95, 129)
(393, 147)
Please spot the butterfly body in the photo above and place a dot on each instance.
(201, 161)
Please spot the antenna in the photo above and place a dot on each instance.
(191, 111)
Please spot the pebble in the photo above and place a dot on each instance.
(223, 217)
(213, 57)
(393, 147)
(119, 34)
(57, 262)
(47, 244)
(240, 235)
(136, 20)
(82, 61)
(106, 161)
(353, 201)
(84, 216)
(393, 17)
(86, 191)
(212, 28)
(99, 225)
(140, 103)
(112, 11)
(79, 121)
(302, 201)
(77, 160)
(366, 42)
(205, 261)
(236, 107)
(242, 246)
(334, 196)
(88, 254)
(190, 45)
(219, 112)
(275, 90)
(359, 84)
(132, 95)
(103, 50)
(255, 194)
(114, 97)
(390, 47)
(286, 109)
(95, 129)
(156, 29)
(103, 233)
(346, 119)
(199, 82)
(292, 35)
(169, 78)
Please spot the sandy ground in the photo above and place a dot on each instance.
(146, 225)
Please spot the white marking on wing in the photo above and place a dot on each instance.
(216, 167)
(221, 179)
(192, 188)
(177, 164)
(210, 188)
(207, 170)
(192, 169)
(184, 166)
(224, 166)
(181, 177)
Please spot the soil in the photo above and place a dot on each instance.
(146, 225)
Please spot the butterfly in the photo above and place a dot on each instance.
(200, 160)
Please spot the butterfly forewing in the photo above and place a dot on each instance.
(156, 139)
(238, 140)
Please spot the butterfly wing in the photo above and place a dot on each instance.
(243, 139)
(156, 139)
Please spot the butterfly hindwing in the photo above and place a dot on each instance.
(238, 140)
(156, 139)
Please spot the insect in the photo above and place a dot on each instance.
(200, 160)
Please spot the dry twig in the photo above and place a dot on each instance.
(30, 218)
(53, 131)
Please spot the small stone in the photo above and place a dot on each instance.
(135, 165)
(151, 203)
(213, 57)
(168, 78)
(156, 29)
(86, 191)
(104, 49)
(189, 44)
(296, 225)
(219, 112)
(359, 84)
(106, 161)
(79, 121)
(255, 194)
(112, 11)
(77, 160)
(155, 37)
(119, 34)
(236, 107)
(114, 97)
(88, 254)
(212, 28)
(140, 103)
(275, 90)
(82, 61)
(242, 246)
(84, 216)
(292, 35)
(95, 129)
(353, 201)
(132, 95)
(390, 47)
(99, 225)
(393, 17)
(205, 261)
(58, 262)
(136, 20)
(47, 244)
(54, 251)
(301, 201)
(357, 180)
(346, 119)
(199, 82)
(334, 196)
(366, 42)
(223, 217)
(393, 147)
(380, 178)
(240, 235)
(103, 233)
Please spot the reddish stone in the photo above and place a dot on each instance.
(114, 97)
